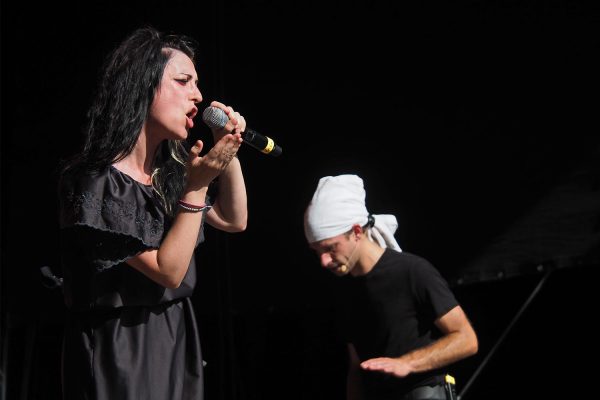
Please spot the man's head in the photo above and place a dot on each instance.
(336, 223)
(337, 204)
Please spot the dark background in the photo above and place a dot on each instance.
(473, 122)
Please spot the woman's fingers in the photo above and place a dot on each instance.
(236, 123)
(196, 149)
(224, 150)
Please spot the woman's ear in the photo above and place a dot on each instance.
(356, 228)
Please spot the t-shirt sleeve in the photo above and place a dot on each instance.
(431, 289)
(106, 220)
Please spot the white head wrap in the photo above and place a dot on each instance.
(338, 204)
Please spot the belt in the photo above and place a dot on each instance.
(436, 392)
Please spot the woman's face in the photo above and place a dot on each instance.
(174, 104)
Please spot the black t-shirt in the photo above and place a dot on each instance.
(391, 311)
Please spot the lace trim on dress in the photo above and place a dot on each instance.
(114, 215)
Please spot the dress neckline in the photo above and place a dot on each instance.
(130, 177)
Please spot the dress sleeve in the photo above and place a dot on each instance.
(109, 218)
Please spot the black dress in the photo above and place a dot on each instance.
(126, 337)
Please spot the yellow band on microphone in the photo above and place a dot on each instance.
(270, 145)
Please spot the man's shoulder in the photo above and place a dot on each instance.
(403, 256)
(404, 260)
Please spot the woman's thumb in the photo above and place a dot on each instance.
(196, 149)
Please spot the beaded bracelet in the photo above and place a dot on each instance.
(192, 207)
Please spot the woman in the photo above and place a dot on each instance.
(133, 203)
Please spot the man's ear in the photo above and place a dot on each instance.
(356, 228)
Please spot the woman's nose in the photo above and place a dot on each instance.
(196, 95)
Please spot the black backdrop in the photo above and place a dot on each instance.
(471, 121)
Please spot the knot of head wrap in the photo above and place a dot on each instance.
(338, 204)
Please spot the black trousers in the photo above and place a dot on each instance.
(437, 392)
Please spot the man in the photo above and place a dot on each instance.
(403, 323)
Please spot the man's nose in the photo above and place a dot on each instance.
(325, 259)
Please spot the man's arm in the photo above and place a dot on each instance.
(459, 341)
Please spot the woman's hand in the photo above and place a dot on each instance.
(236, 123)
(201, 171)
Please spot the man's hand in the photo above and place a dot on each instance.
(391, 366)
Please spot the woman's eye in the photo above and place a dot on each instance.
(183, 81)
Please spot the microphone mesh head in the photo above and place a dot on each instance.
(214, 117)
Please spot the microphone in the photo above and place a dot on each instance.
(216, 118)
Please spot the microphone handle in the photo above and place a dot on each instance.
(261, 143)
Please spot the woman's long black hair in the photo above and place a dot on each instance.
(130, 77)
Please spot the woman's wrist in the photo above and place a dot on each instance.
(194, 196)
(233, 165)
(193, 207)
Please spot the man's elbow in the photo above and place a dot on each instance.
(472, 345)
(475, 348)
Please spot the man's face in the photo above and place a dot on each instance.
(337, 254)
